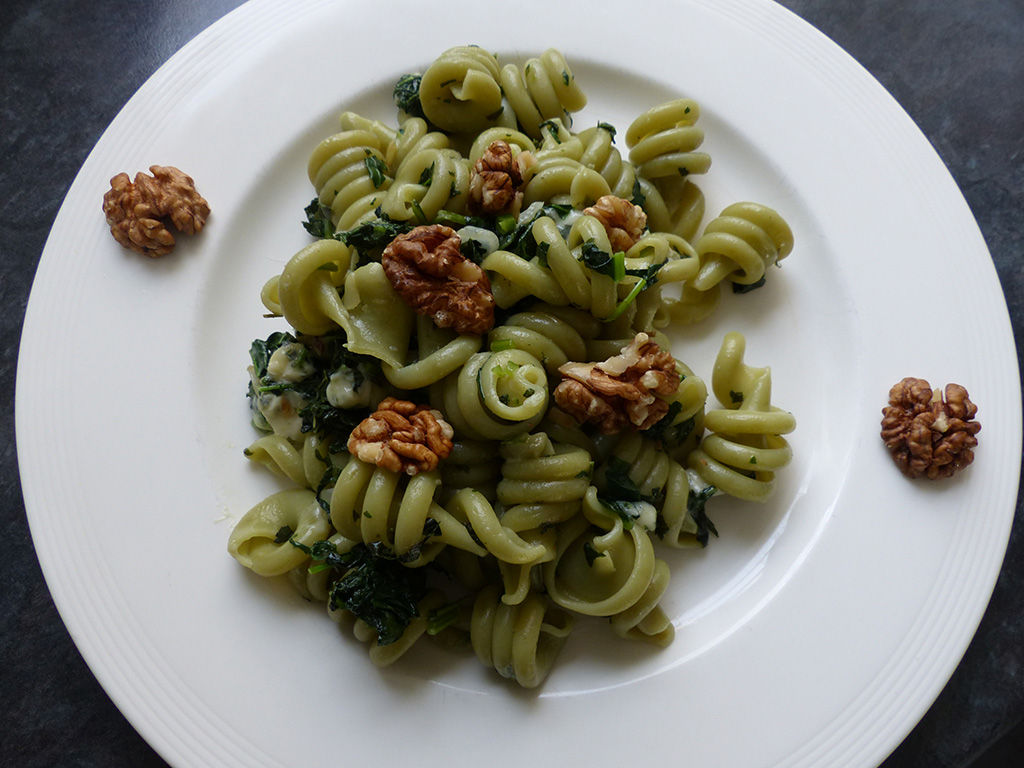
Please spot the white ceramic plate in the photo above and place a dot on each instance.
(815, 631)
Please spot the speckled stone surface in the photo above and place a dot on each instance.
(68, 66)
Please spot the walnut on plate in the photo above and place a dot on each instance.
(621, 391)
(930, 433)
(497, 180)
(427, 269)
(401, 436)
(623, 221)
(138, 211)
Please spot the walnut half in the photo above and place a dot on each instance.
(621, 391)
(497, 181)
(927, 434)
(427, 269)
(138, 212)
(401, 436)
(623, 221)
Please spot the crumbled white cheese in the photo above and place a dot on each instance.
(290, 363)
(342, 391)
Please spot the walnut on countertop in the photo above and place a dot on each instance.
(497, 180)
(427, 269)
(621, 391)
(930, 433)
(138, 212)
(401, 436)
(623, 221)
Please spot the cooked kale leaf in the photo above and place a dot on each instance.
(318, 220)
(695, 508)
(373, 585)
(406, 94)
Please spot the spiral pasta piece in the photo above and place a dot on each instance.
(522, 641)
(260, 540)
(460, 91)
(413, 136)
(472, 464)
(495, 396)
(740, 244)
(305, 466)
(584, 287)
(745, 446)
(600, 154)
(370, 504)
(517, 140)
(542, 483)
(664, 140)
(553, 338)
(426, 182)
(604, 568)
(346, 171)
(318, 292)
(353, 121)
(543, 89)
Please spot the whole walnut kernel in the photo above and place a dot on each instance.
(401, 436)
(427, 269)
(138, 212)
(623, 221)
(497, 180)
(930, 433)
(621, 391)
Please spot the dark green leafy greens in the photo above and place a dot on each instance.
(670, 434)
(695, 508)
(372, 584)
(406, 94)
(318, 220)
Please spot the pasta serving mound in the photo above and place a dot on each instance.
(485, 430)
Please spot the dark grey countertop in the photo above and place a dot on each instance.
(68, 66)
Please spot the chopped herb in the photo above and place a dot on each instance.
(611, 264)
(565, 77)
(473, 250)
(736, 397)
(407, 95)
(684, 172)
(553, 130)
(607, 127)
(695, 504)
(376, 169)
(284, 533)
(318, 220)
(619, 484)
(427, 176)
(371, 237)
(639, 198)
(591, 553)
(667, 432)
(627, 511)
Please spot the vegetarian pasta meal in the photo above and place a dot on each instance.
(487, 432)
